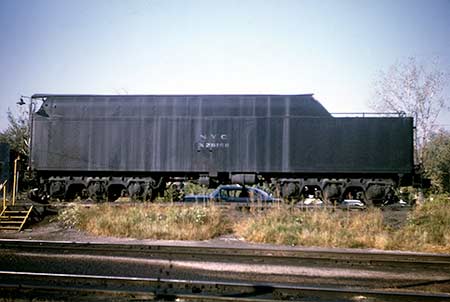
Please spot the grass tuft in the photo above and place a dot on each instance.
(148, 221)
(315, 228)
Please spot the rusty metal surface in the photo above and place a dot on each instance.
(216, 133)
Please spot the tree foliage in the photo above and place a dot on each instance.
(437, 161)
(416, 90)
(17, 134)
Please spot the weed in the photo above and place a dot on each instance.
(426, 229)
(327, 228)
(148, 221)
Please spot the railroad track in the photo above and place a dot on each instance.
(429, 272)
(57, 287)
(359, 269)
(286, 256)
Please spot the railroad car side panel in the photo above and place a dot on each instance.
(351, 145)
(191, 133)
(209, 134)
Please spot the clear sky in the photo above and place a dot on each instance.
(333, 49)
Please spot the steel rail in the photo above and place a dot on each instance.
(25, 281)
(264, 255)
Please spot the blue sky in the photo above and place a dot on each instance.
(333, 49)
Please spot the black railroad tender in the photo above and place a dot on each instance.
(103, 146)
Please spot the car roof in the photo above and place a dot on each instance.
(230, 187)
(235, 187)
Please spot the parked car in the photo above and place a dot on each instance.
(233, 193)
(352, 204)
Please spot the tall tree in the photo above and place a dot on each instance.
(437, 161)
(17, 134)
(416, 90)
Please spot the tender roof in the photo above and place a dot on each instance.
(230, 105)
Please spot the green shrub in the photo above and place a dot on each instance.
(427, 227)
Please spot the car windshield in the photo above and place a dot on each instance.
(239, 192)
(261, 193)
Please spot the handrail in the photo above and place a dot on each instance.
(370, 114)
(16, 180)
(3, 187)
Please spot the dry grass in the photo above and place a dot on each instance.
(315, 228)
(148, 221)
(427, 228)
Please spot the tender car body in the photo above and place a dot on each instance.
(210, 134)
(135, 143)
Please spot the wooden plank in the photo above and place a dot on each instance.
(26, 217)
(15, 212)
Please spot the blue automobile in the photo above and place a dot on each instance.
(233, 193)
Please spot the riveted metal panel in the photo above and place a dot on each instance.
(352, 145)
(214, 133)
(165, 133)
